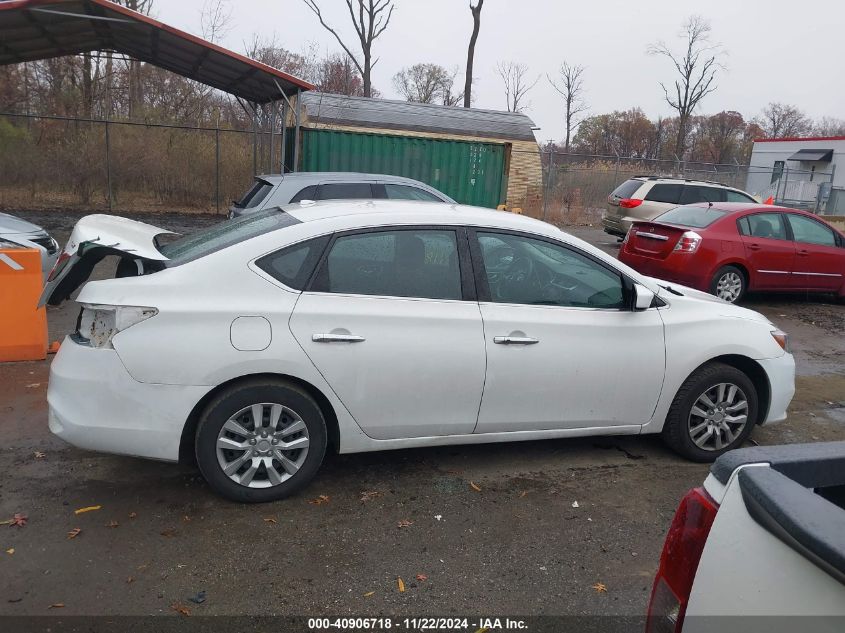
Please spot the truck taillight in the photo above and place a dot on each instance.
(629, 203)
(688, 243)
(679, 562)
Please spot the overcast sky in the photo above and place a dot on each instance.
(776, 50)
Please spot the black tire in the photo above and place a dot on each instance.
(676, 430)
(245, 394)
(725, 273)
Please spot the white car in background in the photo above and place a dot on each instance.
(256, 343)
(17, 233)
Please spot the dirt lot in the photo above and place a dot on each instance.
(492, 528)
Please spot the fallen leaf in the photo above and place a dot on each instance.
(475, 486)
(367, 495)
(33, 384)
(422, 577)
(270, 520)
(132, 515)
(404, 523)
(129, 580)
(18, 520)
(369, 593)
(87, 509)
(112, 524)
(180, 608)
(142, 567)
(57, 605)
(40, 455)
(74, 533)
(168, 532)
(10, 551)
(600, 587)
(523, 493)
(401, 585)
(319, 500)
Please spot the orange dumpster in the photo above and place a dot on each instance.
(23, 326)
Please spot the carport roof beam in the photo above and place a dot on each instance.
(40, 29)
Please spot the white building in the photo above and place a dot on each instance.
(800, 172)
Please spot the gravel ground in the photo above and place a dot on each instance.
(493, 528)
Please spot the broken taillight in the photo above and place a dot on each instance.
(679, 562)
(99, 324)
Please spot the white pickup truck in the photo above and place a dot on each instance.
(761, 547)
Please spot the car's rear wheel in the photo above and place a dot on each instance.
(260, 440)
(713, 412)
(729, 283)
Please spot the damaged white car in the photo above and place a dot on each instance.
(256, 344)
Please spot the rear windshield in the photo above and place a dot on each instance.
(255, 195)
(627, 189)
(226, 234)
(693, 216)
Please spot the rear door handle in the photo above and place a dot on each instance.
(515, 340)
(754, 247)
(803, 253)
(337, 338)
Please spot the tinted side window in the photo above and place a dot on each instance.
(309, 193)
(664, 193)
(809, 231)
(696, 193)
(408, 263)
(736, 196)
(534, 272)
(293, 265)
(345, 190)
(764, 225)
(627, 189)
(404, 192)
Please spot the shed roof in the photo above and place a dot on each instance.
(811, 155)
(39, 29)
(420, 117)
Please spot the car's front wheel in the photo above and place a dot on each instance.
(260, 440)
(713, 412)
(729, 284)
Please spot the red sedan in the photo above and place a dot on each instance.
(730, 248)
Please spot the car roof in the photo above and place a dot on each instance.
(684, 181)
(346, 176)
(416, 212)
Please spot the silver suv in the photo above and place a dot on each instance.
(275, 190)
(643, 198)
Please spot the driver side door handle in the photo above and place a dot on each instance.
(515, 340)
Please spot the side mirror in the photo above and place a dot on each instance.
(643, 297)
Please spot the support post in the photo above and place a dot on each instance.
(217, 165)
(297, 132)
(549, 181)
(254, 138)
(272, 127)
(108, 142)
(284, 147)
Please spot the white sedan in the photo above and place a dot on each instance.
(257, 343)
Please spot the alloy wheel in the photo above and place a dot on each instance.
(718, 417)
(262, 445)
(729, 286)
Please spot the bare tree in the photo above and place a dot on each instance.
(136, 84)
(696, 71)
(427, 83)
(370, 19)
(829, 126)
(781, 119)
(517, 85)
(476, 26)
(570, 85)
(215, 19)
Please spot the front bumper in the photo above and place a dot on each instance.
(95, 404)
(781, 374)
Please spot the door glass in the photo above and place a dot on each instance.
(404, 192)
(664, 193)
(736, 196)
(695, 193)
(809, 231)
(309, 193)
(345, 191)
(293, 265)
(407, 263)
(764, 225)
(529, 271)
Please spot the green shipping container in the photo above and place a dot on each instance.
(469, 172)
